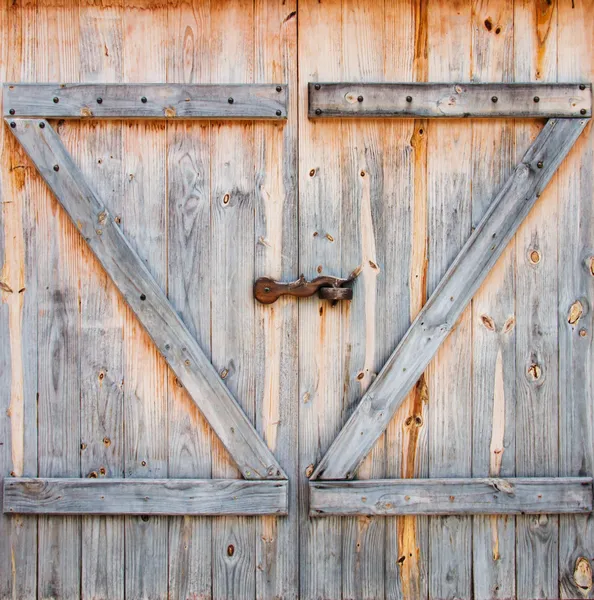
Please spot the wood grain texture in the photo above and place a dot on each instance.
(361, 234)
(144, 223)
(18, 308)
(449, 210)
(147, 101)
(454, 100)
(447, 496)
(493, 310)
(132, 496)
(233, 197)
(189, 260)
(323, 358)
(99, 154)
(59, 341)
(142, 293)
(453, 293)
(537, 360)
(276, 254)
(575, 296)
(403, 289)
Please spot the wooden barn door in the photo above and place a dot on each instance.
(209, 206)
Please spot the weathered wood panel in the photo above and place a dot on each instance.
(493, 307)
(19, 321)
(453, 293)
(276, 231)
(575, 306)
(233, 197)
(133, 496)
(487, 496)
(537, 362)
(454, 100)
(59, 342)
(145, 101)
(189, 259)
(322, 355)
(99, 154)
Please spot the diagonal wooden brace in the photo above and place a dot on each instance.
(144, 296)
(457, 287)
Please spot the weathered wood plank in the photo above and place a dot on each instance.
(402, 258)
(147, 300)
(484, 496)
(59, 341)
(537, 351)
(449, 299)
(144, 224)
(449, 212)
(147, 101)
(102, 313)
(575, 302)
(276, 254)
(322, 356)
(361, 237)
(189, 264)
(493, 307)
(116, 496)
(233, 247)
(18, 313)
(453, 100)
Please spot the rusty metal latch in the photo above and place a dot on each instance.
(267, 291)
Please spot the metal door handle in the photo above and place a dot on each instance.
(267, 291)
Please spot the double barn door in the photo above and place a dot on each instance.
(163, 434)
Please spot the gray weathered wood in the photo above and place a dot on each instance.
(451, 296)
(102, 314)
(575, 315)
(118, 496)
(454, 100)
(484, 496)
(163, 101)
(493, 322)
(147, 300)
(188, 257)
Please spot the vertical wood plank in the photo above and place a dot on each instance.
(576, 299)
(189, 263)
(449, 218)
(102, 313)
(537, 539)
(144, 222)
(232, 276)
(276, 255)
(403, 289)
(58, 250)
(18, 313)
(322, 354)
(361, 235)
(493, 307)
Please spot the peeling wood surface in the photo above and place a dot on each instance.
(146, 101)
(132, 496)
(451, 496)
(454, 100)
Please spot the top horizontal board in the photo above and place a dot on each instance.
(454, 100)
(146, 101)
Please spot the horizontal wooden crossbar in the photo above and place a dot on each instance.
(145, 101)
(145, 497)
(438, 100)
(451, 296)
(487, 496)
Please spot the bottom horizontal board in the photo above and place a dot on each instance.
(488, 496)
(145, 496)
